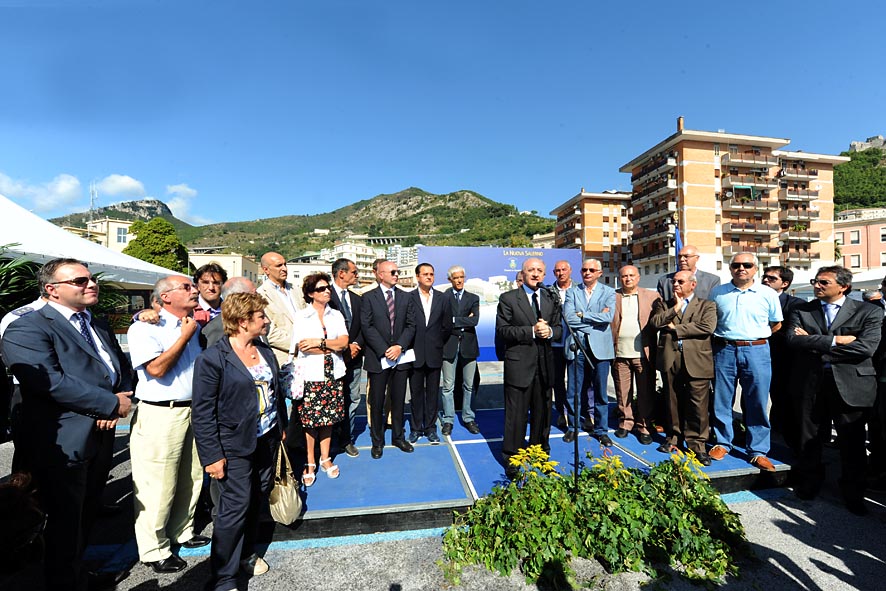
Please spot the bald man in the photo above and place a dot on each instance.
(687, 260)
(283, 302)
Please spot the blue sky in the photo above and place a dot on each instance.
(240, 110)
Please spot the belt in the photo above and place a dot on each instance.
(742, 343)
(167, 403)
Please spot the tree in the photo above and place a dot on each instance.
(156, 242)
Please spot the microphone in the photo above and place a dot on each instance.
(553, 292)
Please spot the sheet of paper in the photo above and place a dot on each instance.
(407, 356)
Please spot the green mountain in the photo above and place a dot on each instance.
(146, 209)
(862, 181)
(461, 218)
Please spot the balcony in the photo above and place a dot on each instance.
(748, 159)
(734, 249)
(799, 256)
(658, 253)
(799, 236)
(656, 232)
(799, 174)
(653, 212)
(749, 205)
(749, 180)
(749, 228)
(657, 166)
(794, 215)
(786, 194)
(654, 190)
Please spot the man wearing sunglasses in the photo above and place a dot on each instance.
(687, 260)
(747, 315)
(166, 473)
(834, 379)
(75, 383)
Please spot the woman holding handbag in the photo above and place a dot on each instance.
(239, 421)
(320, 335)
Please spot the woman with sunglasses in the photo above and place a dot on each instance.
(320, 335)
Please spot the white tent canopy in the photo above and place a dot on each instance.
(39, 240)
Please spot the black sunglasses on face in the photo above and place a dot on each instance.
(322, 288)
(394, 272)
(740, 265)
(78, 281)
(770, 278)
(821, 282)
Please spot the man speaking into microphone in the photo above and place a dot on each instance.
(526, 323)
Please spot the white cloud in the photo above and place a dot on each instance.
(120, 185)
(182, 199)
(63, 190)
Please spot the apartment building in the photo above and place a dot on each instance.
(728, 193)
(599, 225)
(110, 233)
(860, 238)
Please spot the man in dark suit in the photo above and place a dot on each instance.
(526, 322)
(782, 414)
(834, 379)
(75, 383)
(388, 322)
(461, 350)
(686, 323)
(687, 260)
(344, 276)
(433, 325)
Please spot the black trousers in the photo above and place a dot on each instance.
(817, 410)
(378, 387)
(536, 400)
(242, 493)
(424, 387)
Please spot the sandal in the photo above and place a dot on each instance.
(332, 471)
(308, 478)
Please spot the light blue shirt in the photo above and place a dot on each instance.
(744, 315)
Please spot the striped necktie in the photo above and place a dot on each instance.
(390, 300)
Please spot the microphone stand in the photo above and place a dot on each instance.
(574, 346)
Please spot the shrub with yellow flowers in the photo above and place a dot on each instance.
(625, 518)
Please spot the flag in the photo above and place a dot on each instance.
(678, 242)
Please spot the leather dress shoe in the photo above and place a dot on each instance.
(569, 436)
(351, 450)
(562, 423)
(473, 428)
(621, 433)
(703, 459)
(666, 448)
(604, 440)
(644, 438)
(105, 579)
(414, 436)
(587, 425)
(404, 446)
(433, 438)
(718, 452)
(763, 463)
(377, 451)
(447, 429)
(197, 542)
(172, 564)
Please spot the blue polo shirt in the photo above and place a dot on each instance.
(744, 315)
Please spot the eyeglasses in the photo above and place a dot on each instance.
(322, 288)
(184, 286)
(587, 270)
(687, 256)
(77, 281)
(394, 272)
(821, 282)
(771, 278)
(740, 265)
(680, 281)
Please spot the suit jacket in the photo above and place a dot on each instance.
(513, 329)
(777, 344)
(377, 327)
(224, 409)
(705, 282)
(645, 298)
(280, 331)
(588, 319)
(355, 330)
(465, 317)
(694, 327)
(430, 335)
(212, 332)
(852, 365)
(65, 385)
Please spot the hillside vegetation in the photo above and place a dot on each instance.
(861, 182)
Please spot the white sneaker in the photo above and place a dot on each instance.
(255, 567)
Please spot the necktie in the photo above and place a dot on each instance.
(345, 308)
(830, 312)
(683, 308)
(535, 305)
(457, 297)
(390, 300)
(84, 329)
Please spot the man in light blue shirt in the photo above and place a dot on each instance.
(747, 315)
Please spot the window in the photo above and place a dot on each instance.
(716, 149)
(121, 235)
(855, 261)
(838, 238)
(883, 259)
(882, 234)
(854, 237)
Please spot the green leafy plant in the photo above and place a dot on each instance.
(18, 280)
(624, 518)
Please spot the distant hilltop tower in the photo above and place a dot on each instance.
(872, 142)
